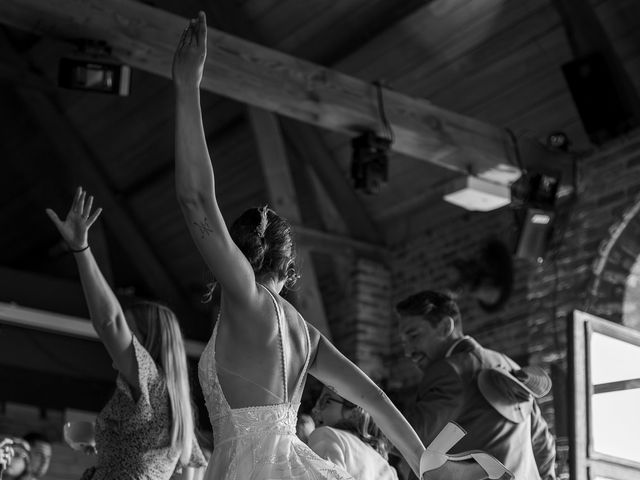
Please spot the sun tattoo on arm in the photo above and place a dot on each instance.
(205, 228)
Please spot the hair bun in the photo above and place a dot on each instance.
(261, 228)
(266, 241)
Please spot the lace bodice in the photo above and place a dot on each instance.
(229, 423)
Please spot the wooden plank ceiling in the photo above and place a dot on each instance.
(496, 61)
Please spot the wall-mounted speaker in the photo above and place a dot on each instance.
(600, 103)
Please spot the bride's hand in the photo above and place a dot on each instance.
(188, 61)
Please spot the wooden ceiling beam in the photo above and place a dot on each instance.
(42, 302)
(60, 324)
(522, 153)
(282, 195)
(145, 37)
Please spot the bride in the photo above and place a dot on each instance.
(254, 367)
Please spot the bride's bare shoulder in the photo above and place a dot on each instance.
(257, 320)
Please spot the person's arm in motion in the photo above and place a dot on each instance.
(347, 380)
(194, 175)
(104, 309)
(544, 445)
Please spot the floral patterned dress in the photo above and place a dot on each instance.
(133, 437)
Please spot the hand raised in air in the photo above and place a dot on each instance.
(75, 227)
(188, 61)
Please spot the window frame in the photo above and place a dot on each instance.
(586, 463)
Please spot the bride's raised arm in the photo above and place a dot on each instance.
(194, 176)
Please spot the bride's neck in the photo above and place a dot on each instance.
(271, 283)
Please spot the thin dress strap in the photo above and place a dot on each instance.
(282, 349)
(303, 373)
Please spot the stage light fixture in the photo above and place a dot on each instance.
(370, 162)
(558, 141)
(536, 189)
(370, 153)
(536, 198)
(91, 68)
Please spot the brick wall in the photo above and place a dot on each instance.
(372, 303)
(357, 312)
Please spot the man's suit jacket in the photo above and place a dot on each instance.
(449, 392)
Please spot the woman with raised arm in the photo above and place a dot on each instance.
(146, 430)
(254, 367)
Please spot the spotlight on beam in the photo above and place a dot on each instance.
(92, 68)
(370, 162)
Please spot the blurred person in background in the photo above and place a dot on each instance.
(347, 436)
(304, 426)
(6, 454)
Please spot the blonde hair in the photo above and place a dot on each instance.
(162, 338)
(360, 423)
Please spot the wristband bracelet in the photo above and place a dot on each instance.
(80, 250)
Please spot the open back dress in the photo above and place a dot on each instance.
(259, 442)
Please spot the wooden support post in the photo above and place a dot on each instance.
(273, 157)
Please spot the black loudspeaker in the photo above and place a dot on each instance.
(535, 233)
(604, 113)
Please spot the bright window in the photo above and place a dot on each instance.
(605, 370)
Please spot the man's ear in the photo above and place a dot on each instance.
(446, 326)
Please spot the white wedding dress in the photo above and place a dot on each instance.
(260, 442)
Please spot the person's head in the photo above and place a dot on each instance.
(304, 426)
(266, 239)
(157, 329)
(40, 455)
(331, 410)
(428, 323)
